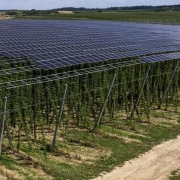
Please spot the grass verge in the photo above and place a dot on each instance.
(81, 155)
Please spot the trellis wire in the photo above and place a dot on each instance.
(60, 76)
(99, 88)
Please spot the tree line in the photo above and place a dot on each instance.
(127, 8)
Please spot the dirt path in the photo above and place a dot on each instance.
(157, 164)
(2, 177)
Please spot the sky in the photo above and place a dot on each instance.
(50, 4)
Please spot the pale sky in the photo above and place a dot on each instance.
(50, 4)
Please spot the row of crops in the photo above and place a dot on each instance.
(33, 111)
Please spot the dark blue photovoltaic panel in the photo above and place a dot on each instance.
(59, 43)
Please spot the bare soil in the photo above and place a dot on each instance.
(66, 12)
(2, 16)
(157, 164)
(3, 178)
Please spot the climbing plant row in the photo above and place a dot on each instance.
(32, 111)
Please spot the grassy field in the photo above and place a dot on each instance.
(167, 17)
(81, 155)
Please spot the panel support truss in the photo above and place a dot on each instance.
(64, 75)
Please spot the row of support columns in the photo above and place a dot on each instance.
(98, 121)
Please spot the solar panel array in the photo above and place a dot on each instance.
(60, 43)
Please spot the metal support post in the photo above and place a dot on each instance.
(172, 76)
(58, 122)
(139, 96)
(102, 109)
(3, 122)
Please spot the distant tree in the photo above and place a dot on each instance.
(38, 12)
(33, 11)
(11, 12)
